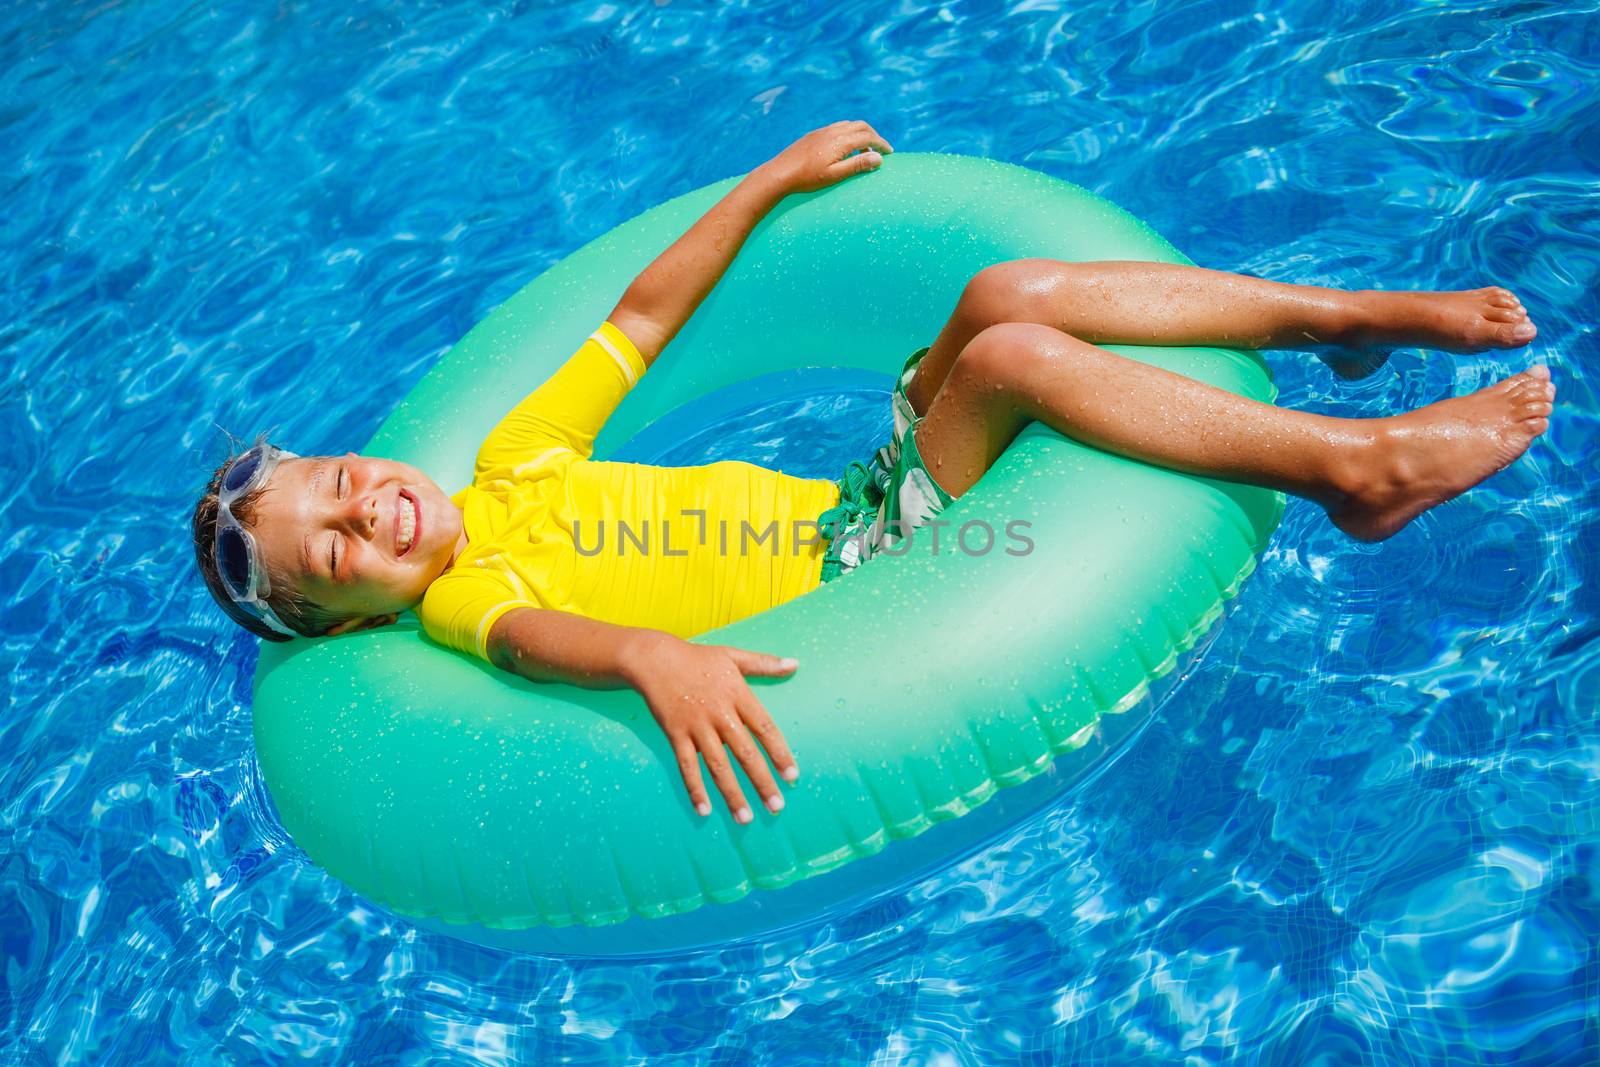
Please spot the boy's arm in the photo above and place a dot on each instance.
(697, 693)
(662, 298)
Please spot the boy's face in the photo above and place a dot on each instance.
(358, 536)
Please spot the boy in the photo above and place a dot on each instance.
(507, 568)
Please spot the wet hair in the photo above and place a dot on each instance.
(298, 613)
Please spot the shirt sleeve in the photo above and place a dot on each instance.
(463, 604)
(568, 410)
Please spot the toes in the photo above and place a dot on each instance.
(1503, 314)
(1535, 387)
(1513, 334)
(1501, 297)
(1529, 409)
(1529, 385)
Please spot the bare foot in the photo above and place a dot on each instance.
(1427, 456)
(1468, 321)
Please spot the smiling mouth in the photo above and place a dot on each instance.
(407, 523)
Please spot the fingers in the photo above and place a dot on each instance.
(760, 663)
(737, 732)
(689, 767)
(871, 137)
(760, 723)
(859, 136)
(716, 758)
(726, 716)
(832, 153)
(755, 716)
(853, 165)
(735, 735)
(689, 750)
(755, 765)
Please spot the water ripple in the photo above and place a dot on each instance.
(1364, 829)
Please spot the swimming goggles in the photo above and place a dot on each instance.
(239, 562)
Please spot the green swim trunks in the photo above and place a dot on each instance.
(883, 500)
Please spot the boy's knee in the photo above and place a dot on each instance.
(1007, 354)
(1017, 290)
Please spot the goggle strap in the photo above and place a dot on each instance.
(270, 617)
(256, 576)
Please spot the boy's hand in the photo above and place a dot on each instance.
(818, 159)
(698, 695)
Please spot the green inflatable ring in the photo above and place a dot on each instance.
(554, 818)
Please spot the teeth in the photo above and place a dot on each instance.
(408, 522)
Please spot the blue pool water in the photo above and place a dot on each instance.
(1365, 829)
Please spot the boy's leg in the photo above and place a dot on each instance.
(1131, 302)
(1372, 475)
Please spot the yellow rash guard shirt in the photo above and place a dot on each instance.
(680, 549)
